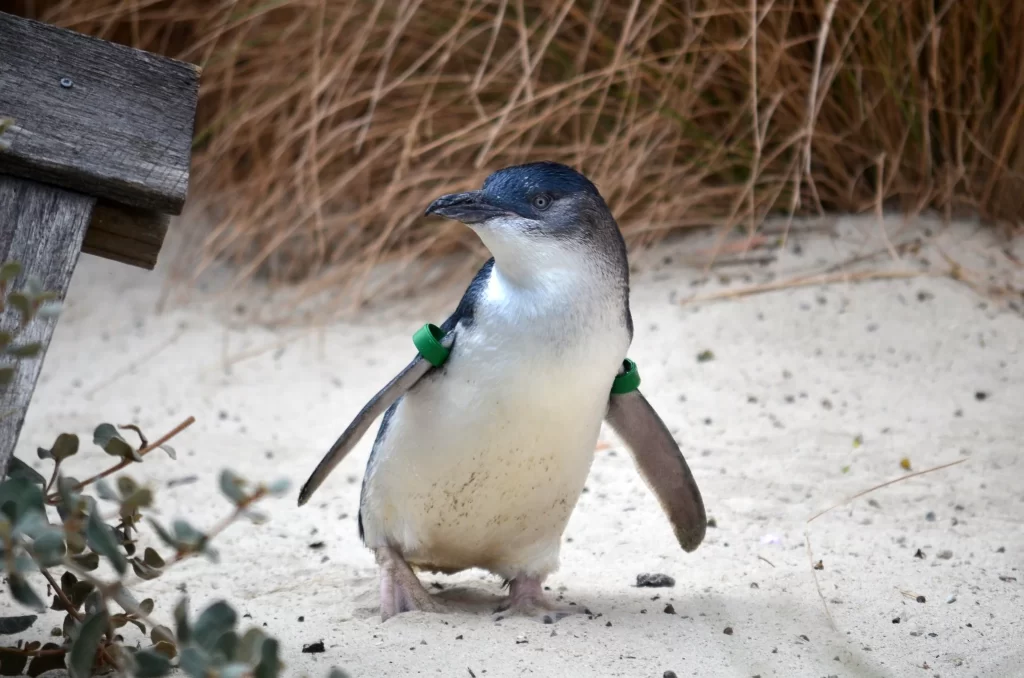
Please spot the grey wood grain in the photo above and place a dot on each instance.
(95, 117)
(130, 235)
(41, 227)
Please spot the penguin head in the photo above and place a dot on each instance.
(536, 214)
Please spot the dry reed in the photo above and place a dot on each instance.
(326, 126)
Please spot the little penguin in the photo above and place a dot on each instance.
(478, 463)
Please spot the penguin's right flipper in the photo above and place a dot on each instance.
(661, 464)
(377, 405)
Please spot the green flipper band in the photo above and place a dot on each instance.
(428, 342)
(628, 381)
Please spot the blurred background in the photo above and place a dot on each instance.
(326, 126)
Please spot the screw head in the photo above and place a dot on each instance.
(66, 83)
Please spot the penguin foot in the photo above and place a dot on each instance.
(526, 599)
(400, 588)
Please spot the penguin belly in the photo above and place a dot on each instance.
(482, 463)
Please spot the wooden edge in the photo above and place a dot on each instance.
(129, 235)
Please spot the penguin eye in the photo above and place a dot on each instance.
(541, 201)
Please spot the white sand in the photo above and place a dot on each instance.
(768, 427)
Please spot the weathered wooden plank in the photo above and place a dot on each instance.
(41, 227)
(127, 234)
(96, 117)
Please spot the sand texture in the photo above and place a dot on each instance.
(811, 395)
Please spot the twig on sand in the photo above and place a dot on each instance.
(809, 281)
(885, 484)
(807, 535)
(766, 560)
(817, 584)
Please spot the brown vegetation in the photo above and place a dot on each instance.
(326, 126)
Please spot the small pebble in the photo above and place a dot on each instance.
(314, 648)
(980, 395)
(920, 599)
(669, 609)
(951, 598)
(669, 674)
(712, 522)
(930, 516)
(945, 554)
(727, 630)
(654, 580)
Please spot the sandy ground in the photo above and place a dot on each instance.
(813, 395)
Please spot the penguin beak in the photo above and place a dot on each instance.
(473, 207)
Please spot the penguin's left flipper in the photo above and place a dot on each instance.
(661, 464)
(377, 405)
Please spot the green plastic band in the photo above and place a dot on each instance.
(628, 381)
(428, 342)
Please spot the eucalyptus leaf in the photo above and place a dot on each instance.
(83, 649)
(32, 522)
(23, 593)
(20, 468)
(65, 446)
(152, 558)
(107, 437)
(21, 302)
(226, 646)
(139, 625)
(270, 665)
(102, 540)
(87, 561)
(49, 548)
(18, 496)
(126, 485)
(5, 339)
(47, 660)
(144, 571)
(169, 650)
(30, 350)
(234, 670)
(6, 375)
(233, 486)
(213, 622)
(50, 309)
(11, 625)
(69, 496)
(164, 535)
(249, 649)
(184, 532)
(80, 591)
(12, 663)
(151, 664)
(33, 285)
(67, 582)
(181, 625)
(10, 270)
(142, 497)
(279, 486)
(162, 634)
(105, 491)
(194, 662)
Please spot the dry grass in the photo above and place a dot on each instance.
(326, 126)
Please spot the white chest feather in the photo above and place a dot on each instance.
(482, 464)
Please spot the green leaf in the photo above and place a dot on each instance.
(80, 591)
(140, 498)
(32, 522)
(163, 640)
(169, 650)
(126, 485)
(42, 663)
(234, 670)
(150, 664)
(20, 468)
(226, 647)
(30, 350)
(65, 446)
(144, 571)
(6, 375)
(102, 540)
(233, 486)
(50, 309)
(10, 270)
(214, 622)
(193, 662)
(84, 647)
(105, 491)
(181, 625)
(33, 285)
(279, 486)
(12, 663)
(184, 532)
(87, 561)
(164, 535)
(49, 548)
(18, 496)
(249, 649)
(170, 451)
(152, 558)
(11, 625)
(21, 302)
(107, 437)
(269, 666)
(23, 593)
